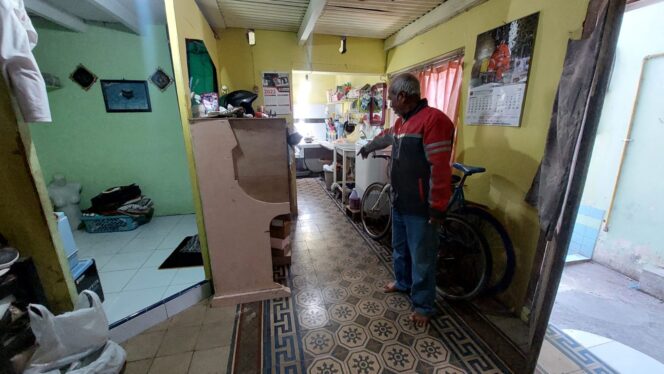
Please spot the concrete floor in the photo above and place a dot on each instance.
(601, 301)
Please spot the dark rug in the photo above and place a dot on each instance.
(188, 253)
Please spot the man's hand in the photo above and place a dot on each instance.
(364, 152)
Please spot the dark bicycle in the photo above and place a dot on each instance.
(475, 254)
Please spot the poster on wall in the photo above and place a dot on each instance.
(499, 76)
(276, 92)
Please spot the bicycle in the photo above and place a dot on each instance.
(471, 239)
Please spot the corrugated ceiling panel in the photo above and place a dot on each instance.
(284, 15)
(368, 18)
(371, 18)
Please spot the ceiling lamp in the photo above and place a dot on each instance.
(342, 46)
(251, 37)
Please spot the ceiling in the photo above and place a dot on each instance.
(363, 18)
(148, 11)
(366, 18)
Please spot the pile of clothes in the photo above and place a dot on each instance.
(125, 200)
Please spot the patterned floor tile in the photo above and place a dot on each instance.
(352, 335)
(327, 365)
(343, 312)
(339, 320)
(309, 297)
(398, 357)
(313, 317)
(335, 294)
(319, 342)
(363, 362)
(371, 307)
(431, 350)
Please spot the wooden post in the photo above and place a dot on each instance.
(26, 215)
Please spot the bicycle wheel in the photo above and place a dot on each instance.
(376, 211)
(464, 261)
(500, 247)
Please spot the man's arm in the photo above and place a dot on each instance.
(437, 141)
(381, 141)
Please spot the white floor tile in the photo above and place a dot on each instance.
(626, 360)
(100, 261)
(129, 302)
(143, 244)
(126, 261)
(188, 219)
(110, 297)
(586, 339)
(173, 240)
(157, 258)
(105, 248)
(115, 281)
(189, 275)
(150, 278)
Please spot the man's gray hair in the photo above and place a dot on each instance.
(406, 83)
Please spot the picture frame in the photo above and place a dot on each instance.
(378, 104)
(160, 79)
(126, 96)
(83, 77)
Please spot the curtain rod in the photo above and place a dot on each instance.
(434, 61)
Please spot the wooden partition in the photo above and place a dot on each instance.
(242, 169)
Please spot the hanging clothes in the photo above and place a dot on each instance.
(19, 68)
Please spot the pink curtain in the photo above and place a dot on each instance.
(441, 85)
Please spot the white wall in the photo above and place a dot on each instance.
(632, 239)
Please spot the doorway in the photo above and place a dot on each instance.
(94, 147)
(610, 295)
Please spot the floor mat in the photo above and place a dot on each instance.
(187, 253)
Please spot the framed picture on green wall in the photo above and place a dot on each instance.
(121, 96)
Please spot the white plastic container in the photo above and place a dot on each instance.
(369, 170)
(71, 250)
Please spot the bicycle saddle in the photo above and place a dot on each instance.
(468, 170)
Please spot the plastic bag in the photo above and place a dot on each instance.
(110, 361)
(70, 336)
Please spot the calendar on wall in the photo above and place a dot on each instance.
(499, 76)
(495, 104)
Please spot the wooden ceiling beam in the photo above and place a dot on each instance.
(55, 15)
(314, 11)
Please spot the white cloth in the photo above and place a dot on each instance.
(17, 39)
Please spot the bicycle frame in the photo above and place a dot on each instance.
(385, 190)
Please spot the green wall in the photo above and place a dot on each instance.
(100, 149)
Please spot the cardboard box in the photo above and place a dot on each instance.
(277, 243)
(283, 259)
(276, 252)
(280, 227)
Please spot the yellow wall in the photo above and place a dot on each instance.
(511, 155)
(185, 21)
(26, 216)
(314, 92)
(241, 65)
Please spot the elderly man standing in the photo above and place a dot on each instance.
(421, 142)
